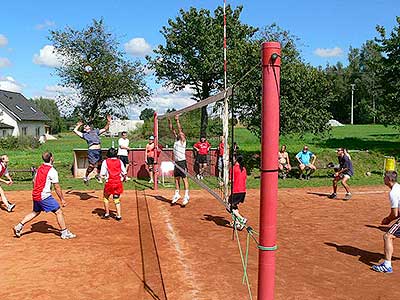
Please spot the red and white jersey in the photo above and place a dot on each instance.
(3, 169)
(45, 176)
(202, 147)
(113, 169)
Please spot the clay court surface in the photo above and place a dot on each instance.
(325, 250)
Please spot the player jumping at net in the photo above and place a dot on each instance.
(92, 137)
(113, 170)
(390, 181)
(202, 148)
(238, 175)
(180, 169)
(46, 176)
(4, 172)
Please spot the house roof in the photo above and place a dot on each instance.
(5, 126)
(20, 107)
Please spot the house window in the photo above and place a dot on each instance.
(37, 132)
(24, 130)
(4, 132)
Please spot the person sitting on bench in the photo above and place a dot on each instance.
(306, 161)
(283, 162)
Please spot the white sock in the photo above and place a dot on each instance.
(176, 192)
(387, 263)
(186, 193)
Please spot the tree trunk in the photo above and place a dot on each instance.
(204, 114)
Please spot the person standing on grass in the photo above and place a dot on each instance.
(149, 154)
(180, 169)
(390, 181)
(202, 148)
(343, 174)
(238, 175)
(306, 161)
(45, 177)
(4, 172)
(123, 148)
(92, 137)
(113, 170)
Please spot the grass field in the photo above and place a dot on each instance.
(368, 144)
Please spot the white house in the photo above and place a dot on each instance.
(19, 116)
(117, 126)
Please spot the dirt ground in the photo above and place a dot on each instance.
(159, 251)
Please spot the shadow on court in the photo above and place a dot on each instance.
(220, 221)
(367, 257)
(319, 194)
(43, 227)
(381, 228)
(82, 195)
(163, 199)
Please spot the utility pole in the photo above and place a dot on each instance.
(352, 104)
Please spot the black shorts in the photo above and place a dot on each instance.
(124, 159)
(177, 171)
(201, 158)
(94, 156)
(235, 199)
(150, 161)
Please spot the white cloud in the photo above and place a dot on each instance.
(47, 57)
(4, 62)
(10, 84)
(138, 47)
(46, 23)
(3, 40)
(328, 52)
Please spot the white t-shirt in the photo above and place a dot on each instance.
(179, 150)
(394, 196)
(124, 143)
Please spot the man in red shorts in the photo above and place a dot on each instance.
(46, 175)
(114, 171)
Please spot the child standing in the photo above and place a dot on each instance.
(238, 175)
(113, 170)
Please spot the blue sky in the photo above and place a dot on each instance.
(326, 28)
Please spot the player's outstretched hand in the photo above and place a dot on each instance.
(108, 118)
(80, 123)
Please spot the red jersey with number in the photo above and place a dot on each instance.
(203, 147)
(239, 179)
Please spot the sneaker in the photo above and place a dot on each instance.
(18, 230)
(151, 181)
(241, 224)
(118, 218)
(382, 268)
(11, 207)
(98, 179)
(332, 196)
(175, 198)
(68, 235)
(86, 180)
(198, 176)
(105, 216)
(347, 196)
(201, 177)
(185, 200)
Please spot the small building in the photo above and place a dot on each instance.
(117, 126)
(19, 116)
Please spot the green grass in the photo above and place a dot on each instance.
(368, 144)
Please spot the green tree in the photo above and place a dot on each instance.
(50, 109)
(389, 74)
(192, 55)
(146, 114)
(93, 65)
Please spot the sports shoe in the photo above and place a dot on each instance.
(18, 230)
(105, 216)
(382, 268)
(67, 235)
(118, 218)
(151, 181)
(241, 224)
(185, 200)
(86, 180)
(332, 196)
(98, 179)
(198, 176)
(347, 196)
(11, 207)
(175, 198)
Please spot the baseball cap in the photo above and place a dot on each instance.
(151, 137)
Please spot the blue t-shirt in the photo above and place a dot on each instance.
(92, 137)
(305, 157)
(345, 163)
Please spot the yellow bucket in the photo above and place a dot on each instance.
(390, 163)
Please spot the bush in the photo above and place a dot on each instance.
(19, 143)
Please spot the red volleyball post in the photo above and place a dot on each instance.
(269, 168)
(155, 167)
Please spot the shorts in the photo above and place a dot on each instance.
(395, 228)
(47, 205)
(124, 159)
(343, 175)
(235, 199)
(111, 188)
(177, 171)
(201, 158)
(150, 161)
(220, 163)
(94, 156)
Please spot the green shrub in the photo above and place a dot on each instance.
(19, 143)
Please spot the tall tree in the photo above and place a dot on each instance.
(146, 114)
(50, 109)
(192, 55)
(389, 45)
(93, 65)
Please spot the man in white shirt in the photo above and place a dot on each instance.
(180, 162)
(390, 180)
(123, 148)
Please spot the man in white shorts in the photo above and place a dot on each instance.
(390, 180)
